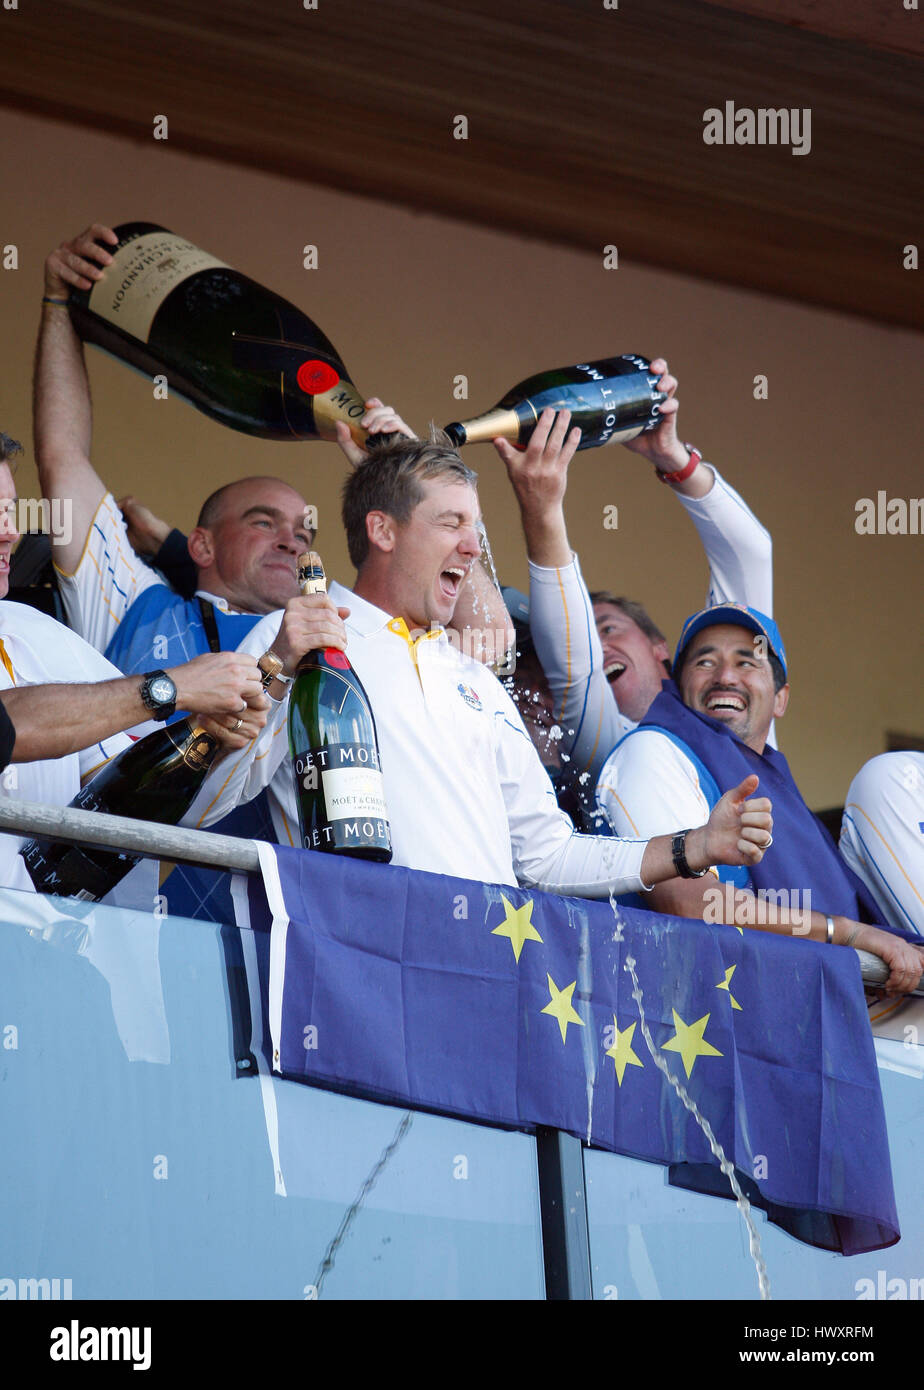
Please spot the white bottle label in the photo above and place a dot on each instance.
(352, 792)
(142, 274)
(622, 436)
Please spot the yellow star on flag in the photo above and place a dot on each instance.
(688, 1040)
(621, 1051)
(726, 983)
(518, 925)
(560, 1006)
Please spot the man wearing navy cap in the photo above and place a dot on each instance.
(709, 728)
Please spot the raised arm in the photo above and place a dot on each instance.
(738, 548)
(161, 545)
(63, 419)
(561, 615)
(99, 574)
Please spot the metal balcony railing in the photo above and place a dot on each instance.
(202, 847)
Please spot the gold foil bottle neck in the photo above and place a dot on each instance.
(496, 424)
(270, 665)
(311, 576)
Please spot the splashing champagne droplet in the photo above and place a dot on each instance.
(744, 1206)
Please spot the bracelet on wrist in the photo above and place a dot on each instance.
(679, 857)
(50, 299)
(681, 475)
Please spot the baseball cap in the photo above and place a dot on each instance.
(739, 616)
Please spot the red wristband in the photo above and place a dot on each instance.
(682, 474)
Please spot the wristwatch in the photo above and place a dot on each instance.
(158, 694)
(679, 857)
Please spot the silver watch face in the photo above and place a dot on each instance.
(162, 690)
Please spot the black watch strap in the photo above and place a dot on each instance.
(679, 856)
(159, 708)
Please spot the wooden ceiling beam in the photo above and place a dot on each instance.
(585, 124)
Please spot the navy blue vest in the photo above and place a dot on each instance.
(161, 629)
(803, 855)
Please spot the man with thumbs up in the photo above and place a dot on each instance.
(707, 729)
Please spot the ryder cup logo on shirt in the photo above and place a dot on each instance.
(470, 696)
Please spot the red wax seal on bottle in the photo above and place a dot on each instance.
(314, 377)
(335, 657)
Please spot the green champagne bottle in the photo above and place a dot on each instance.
(243, 355)
(155, 779)
(612, 401)
(334, 749)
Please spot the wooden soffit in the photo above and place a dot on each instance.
(585, 120)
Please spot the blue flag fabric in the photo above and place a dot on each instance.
(516, 1009)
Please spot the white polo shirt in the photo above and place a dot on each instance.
(649, 787)
(882, 835)
(108, 579)
(35, 650)
(466, 792)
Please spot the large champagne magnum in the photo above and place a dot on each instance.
(334, 749)
(155, 779)
(240, 353)
(612, 401)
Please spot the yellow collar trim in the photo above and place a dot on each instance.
(399, 627)
(6, 661)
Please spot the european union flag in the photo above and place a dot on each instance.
(519, 1009)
